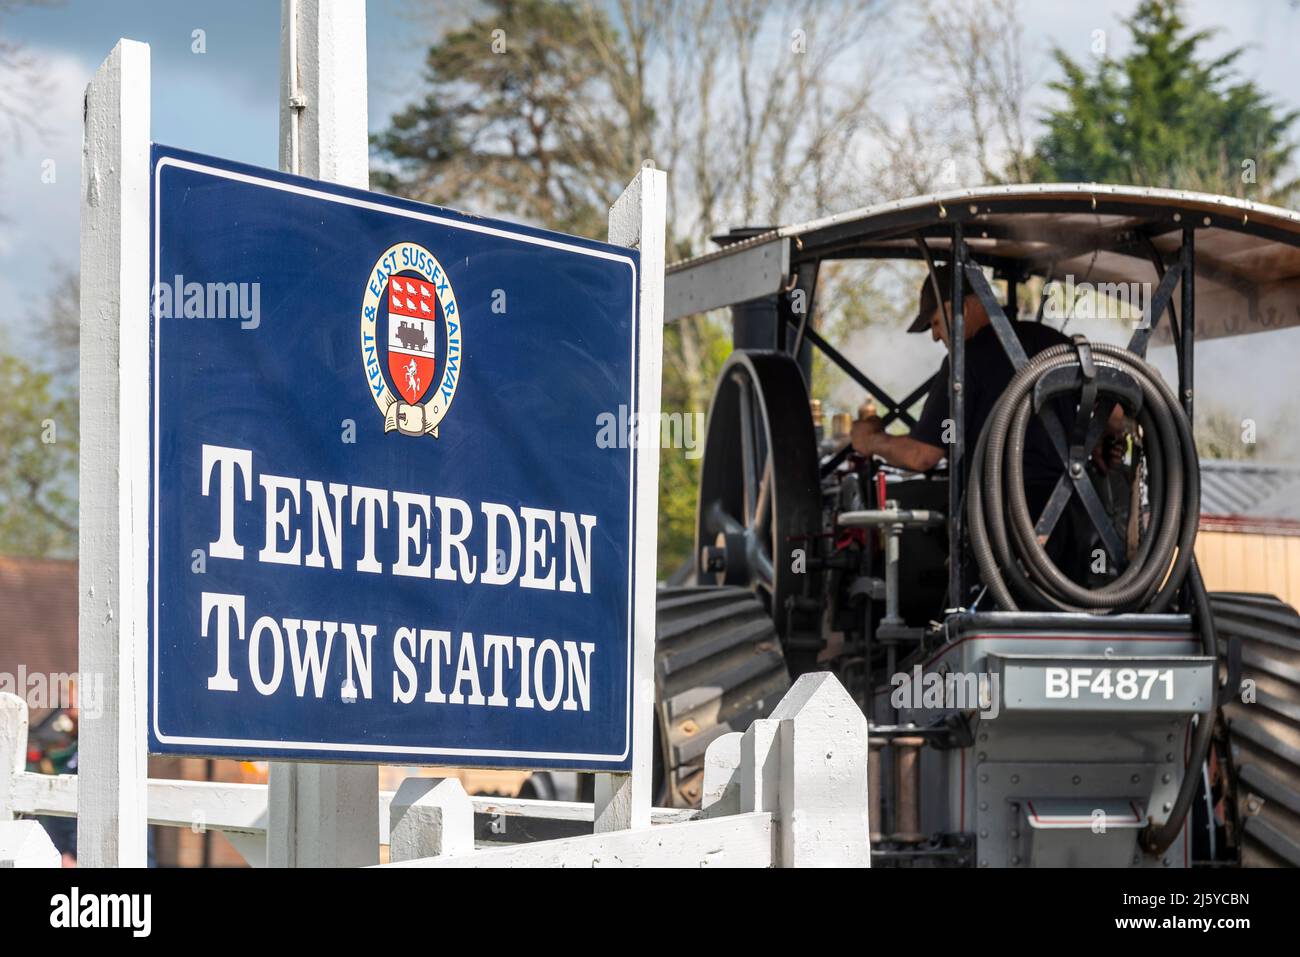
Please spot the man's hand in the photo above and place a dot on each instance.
(870, 438)
(864, 434)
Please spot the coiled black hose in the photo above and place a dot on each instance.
(1015, 565)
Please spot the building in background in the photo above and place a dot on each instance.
(1250, 528)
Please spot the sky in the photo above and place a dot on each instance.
(224, 101)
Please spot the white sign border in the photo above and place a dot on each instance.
(322, 747)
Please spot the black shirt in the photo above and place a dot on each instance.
(988, 373)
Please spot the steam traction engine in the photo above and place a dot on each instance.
(1018, 717)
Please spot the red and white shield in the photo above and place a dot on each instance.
(412, 311)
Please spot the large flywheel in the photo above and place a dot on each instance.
(760, 507)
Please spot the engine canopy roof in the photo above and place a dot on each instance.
(1247, 254)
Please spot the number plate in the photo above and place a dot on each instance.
(1100, 683)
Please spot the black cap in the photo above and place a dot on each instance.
(927, 304)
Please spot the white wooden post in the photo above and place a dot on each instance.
(806, 765)
(760, 766)
(638, 219)
(822, 805)
(721, 792)
(114, 500)
(25, 844)
(430, 817)
(324, 815)
(13, 750)
(323, 112)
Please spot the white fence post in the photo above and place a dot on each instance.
(807, 766)
(430, 817)
(324, 815)
(638, 219)
(25, 844)
(822, 816)
(760, 766)
(13, 750)
(721, 792)
(114, 500)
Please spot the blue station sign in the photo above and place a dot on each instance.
(392, 461)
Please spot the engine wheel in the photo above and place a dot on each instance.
(1264, 734)
(718, 668)
(759, 484)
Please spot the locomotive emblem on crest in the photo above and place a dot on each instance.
(407, 313)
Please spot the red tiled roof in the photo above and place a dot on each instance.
(38, 616)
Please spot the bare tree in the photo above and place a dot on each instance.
(973, 49)
(59, 316)
(763, 107)
(22, 87)
(757, 108)
(965, 123)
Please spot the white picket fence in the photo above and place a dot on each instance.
(790, 791)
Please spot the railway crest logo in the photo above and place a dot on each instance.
(408, 311)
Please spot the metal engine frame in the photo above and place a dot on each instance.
(1015, 778)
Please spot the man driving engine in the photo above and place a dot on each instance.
(988, 372)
